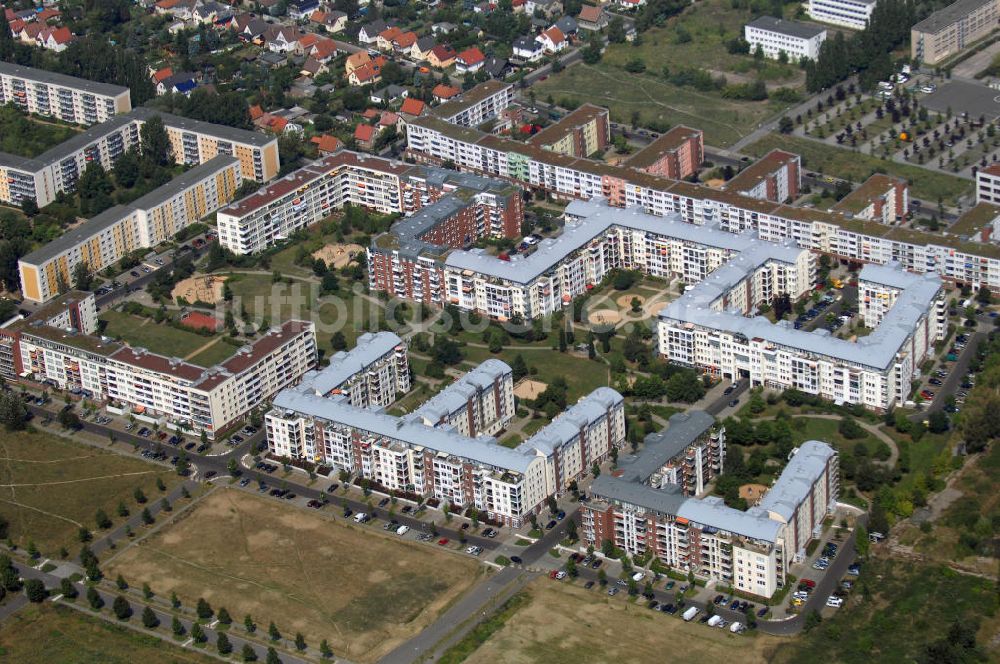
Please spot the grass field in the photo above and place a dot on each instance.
(29, 137)
(219, 351)
(582, 375)
(658, 103)
(157, 337)
(826, 430)
(52, 634)
(50, 486)
(565, 624)
(910, 605)
(841, 163)
(363, 592)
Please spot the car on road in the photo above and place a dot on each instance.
(807, 583)
(734, 403)
(383, 502)
(612, 591)
(489, 532)
(315, 504)
(190, 446)
(670, 608)
(332, 488)
(729, 390)
(402, 530)
(835, 602)
(596, 564)
(245, 481)
(718, 599)
(561, 515)
(210, 474)
(516, 560)
(465, 526)
(134, 273)
(550, 525)
(348, 512)
(443, 541)
(588, 585)
(670, 585)
(763, 612)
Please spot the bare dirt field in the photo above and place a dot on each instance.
(363, 592)
(752, 492)
(338, 255)
(605, 317)
(566, 624)
(529, 389)
(207, 289)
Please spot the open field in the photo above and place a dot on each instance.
(582, 375)
(566, 624)
(155, 337)
(826, 430)
(52, 634)
(910, 605)
(839, 162)
(29, 137)
(658, 103)
(50, 486)
(218, 351)
(364, 592)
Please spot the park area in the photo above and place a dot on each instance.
(53, 634)
(51, 487)
(363, 592)
(29, 137)
(202, 350)
(564, 624)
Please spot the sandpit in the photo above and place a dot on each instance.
(207, 289)
(605, 317)
(529, 389)
(338, 255)
(715, 183)
(752, 493)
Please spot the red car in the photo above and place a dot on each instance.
(442, 541)
(808, 583)
(553, 573)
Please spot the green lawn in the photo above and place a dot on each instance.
(154, 337)
(29, 137)
(218, 352)
(845, 164)
(658, 103)
(826, 430)
(582, 375)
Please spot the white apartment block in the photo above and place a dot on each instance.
(370, 375)
(852, 14)
(408, 456)
(478, 105)
(480, 403)
(160, 389)
(65, 98)
(988, 184)
(156, 217)
(881, 198)
(775, 36)
(975, 264)
(708, 328)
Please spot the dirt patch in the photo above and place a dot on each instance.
(566, 624)
(529, 389)
(364, 592)
(605, 317)
(338, 255)
(207, 289)
(752, 493)
(715, 183)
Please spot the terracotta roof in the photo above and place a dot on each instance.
(47, 13)
(324, 49)
(355, 60)
(555, 35)
(590, 13)
(364, 132)
(308, 40)
(370, 114)
(60, 35)
(256, 112)
(405, 40)
(366, 72)
(471, 56)
(442, 91)
(161, 74)
(388, 119)
(390, 34)
(16, 25)
(412, 106)
(327, 143)
(443, 52)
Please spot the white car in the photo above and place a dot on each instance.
(560, 575)
(402, 530)
(835, 602)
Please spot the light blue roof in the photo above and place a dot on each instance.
(796, 480)
(344, 365)
(713, 512)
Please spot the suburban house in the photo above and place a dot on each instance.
(302, 9)
(365, 135)
(388, 94)
(182, 82)
(370, 31)
(553, 40)
(528, 49)
(367, 74)
(442, 92)
(469, 60)
(356, 61)
(496, 67)
(548, 8)
(442, 56)
(249, 28)
(421, 50)
(326, 145)
(282, 39)
(414, 107)
(333, 21)
(592, 18)
(568, 25)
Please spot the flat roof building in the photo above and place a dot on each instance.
(948, 31)
(67, 98)
(852, 14)
(775, 36)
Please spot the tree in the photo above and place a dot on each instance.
(223, 616)
(154, 142)
(94, 598)
(519, 367)
(175, 601)
(102, 520)
(248, 653)
(850, 429)
(149, 619)
(592, 52)
(813, 619)
(82, 279)
(786, 125)
(34, 590)
(204, 609)
(177, 626)
(13, 413)
(121, 583)
(571, 529)
(67, 589)
(198, 633)
(222, 644)
(139, 496)
(338, 341)
(147, 592)
(938, 422)
(300, 642)
(273, 633)
(94, 189)
(248, 624)
(325, 650)
(147, 516)
(121, 608)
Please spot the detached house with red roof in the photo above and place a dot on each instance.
(332, 21)
(442, 92)
(553, 40)
(470, 60)
(365, 136)
(326, 145)
(441, 56)
(55, 39)
(413, 107)
(367, 74)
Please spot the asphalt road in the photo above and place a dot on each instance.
(720, 404)
(950, 384)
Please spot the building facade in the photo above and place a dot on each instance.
(480, 403)
(477, 105)
(881, 198)
(949, 31)
(371, 375)
(775, 36)
(775, 177)
(65, 98)
(676, 154)
(852, 14)
(580, 133)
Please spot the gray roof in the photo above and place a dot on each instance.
(71, 145)
(53, 78)
(790, 28)
(662, 446)
(457, 395)
(197, 126)
(712, 512)
(567, 24)
(667, 500)
(111, 216)
(484, 450)
(945, 17)
(877, 350)
(529, 43)
(345, 365)
(596, 220)
(567, 426)
(796, 480)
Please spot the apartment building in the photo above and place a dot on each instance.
(881, 198)
(775, 177)
(480, 403)
(406, 455)
(980, 223)
(988, 184)
(75, 310)
(689, 454)
(752, 550)
(967, 263)
(775, 36)
(65, 98)
(951, 30)
(676, 154)
(371, 375)
(477, 105)
(102, 241)
(581, 133)
(852, 14)
(710, 328)
(159, 389)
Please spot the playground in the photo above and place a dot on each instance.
(338, 255)
(207, 289)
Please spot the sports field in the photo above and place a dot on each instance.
(164, 339)
(363, 592)
(566, 624)
(51, 486)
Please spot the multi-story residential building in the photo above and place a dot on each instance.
(404, 454)
(776, 177)
(104, 240)
(65, 98)
(477, 105)
(480, 403)
(676, 154)
(881, 198)
(967, 263)
(580, 133)
(75, 311)
(852, 14)
(370, 375)
(690, 453)
(949, 31)
(775, 36)
(638, 512)
(709, 328)
(988, 184)
(980, 223)
(157, 388)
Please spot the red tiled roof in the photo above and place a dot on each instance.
(364, 133)
(161, 74)
(388, 119)
(370, 114)
(472, 56)
(405, 40)
(390, 34)
(47, 13)
(412, 106)
(555, 35)
(327, 143)
(16, 25)
(60, 35)
(443, 52)
(590, 13)
(256, 112)
(308, 40)
(324, 49)
(442, 91)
